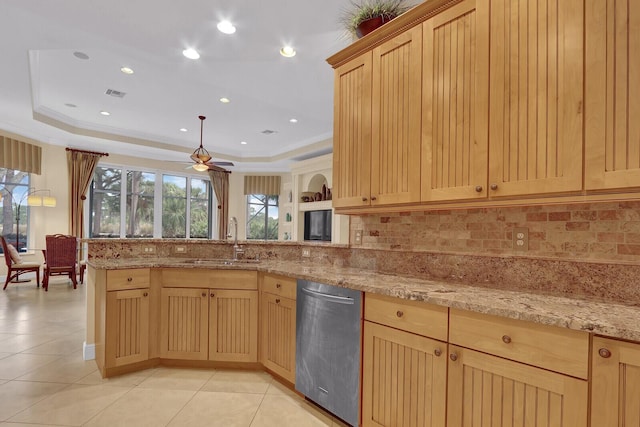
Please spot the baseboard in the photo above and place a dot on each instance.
(88, 351)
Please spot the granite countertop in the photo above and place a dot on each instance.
(599, 317)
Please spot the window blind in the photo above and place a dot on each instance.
(267, 185)
(20, 155)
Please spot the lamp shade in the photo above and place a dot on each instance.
(49, 201)
(34, 200)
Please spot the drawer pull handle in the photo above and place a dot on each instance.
(129, 279)
(146, 294)
(364, 199)
(603, 352)
(204, 294)
(494, 186)
(278, 285)
(277, 300)
(478, 188)
(374, 198)
(437, 352)
(506, 339)
(213, 294)
(399, 313)
(453, 356)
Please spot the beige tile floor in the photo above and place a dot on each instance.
(44, 380)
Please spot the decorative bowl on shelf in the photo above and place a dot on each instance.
(307, 196)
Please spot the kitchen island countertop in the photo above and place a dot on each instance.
(591, 315)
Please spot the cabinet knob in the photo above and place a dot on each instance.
(129, 279)
(437, 352)
(494, 186)
(453, 356)
(603, 352)
(213, 294)
(399, 313)
(204, 294)
(146, 294)
(506, 339)
(374, 198)
(277, 300)
(278, 285)
(478, 188)
(364, 199)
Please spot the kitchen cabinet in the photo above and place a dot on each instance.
(122, 329)
(612, 94)
(377, 118)
(213, 321)
(404, 373)
(533, 374)
(278, 325)
(615, 391)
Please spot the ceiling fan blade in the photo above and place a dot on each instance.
(221, 163)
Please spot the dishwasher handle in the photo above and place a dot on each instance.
(329, 297)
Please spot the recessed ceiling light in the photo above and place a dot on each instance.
(243, 142)
(191, 53)
(287, 51)
(183, 129)
(70, 105)
(105, 113)
(226, 27)
(293, 120)
(126, 70)
(80, 55)
(225, 100)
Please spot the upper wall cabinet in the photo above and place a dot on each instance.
(535, 100)
(376, 155)
(455, 99)
(612, 94)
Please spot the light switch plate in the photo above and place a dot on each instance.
(357, 239)
(306, 253)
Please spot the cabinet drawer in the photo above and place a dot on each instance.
(412, 316)
(279, 285)
(133, 278)
(553, 348)
(206, 278)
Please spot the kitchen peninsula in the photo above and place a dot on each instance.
(544, 336)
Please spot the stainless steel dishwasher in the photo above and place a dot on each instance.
(328, 336)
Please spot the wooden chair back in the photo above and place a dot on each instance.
(62, 251)
(5, 251)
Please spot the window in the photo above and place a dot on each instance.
(143, 194)
(14, 187)
(262, 217)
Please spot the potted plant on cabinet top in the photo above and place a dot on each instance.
(364, 16)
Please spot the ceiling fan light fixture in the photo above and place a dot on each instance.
(201, 155)
(201, 167)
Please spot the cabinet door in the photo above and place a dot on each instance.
(184, 315)
(352, 133)
(278, 338)
(616, 383)
(404, 378)
(488, 390)
(536, 102)
(233, 326)
(127, 333)
(396, 117)
(612, 94)
(455, 103)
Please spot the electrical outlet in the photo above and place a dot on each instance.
(149, 249)
(306, 253)
(357, 239)
(180, 249)
(521, 238)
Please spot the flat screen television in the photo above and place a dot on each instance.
(317, 225)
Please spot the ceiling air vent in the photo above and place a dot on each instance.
(268, 131)
(116, 93)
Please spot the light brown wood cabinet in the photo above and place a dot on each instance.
(278, 325)
(404, 375)
(122, 306)
(214, 322)
(615, 391)
(376, 137)
(508, 369)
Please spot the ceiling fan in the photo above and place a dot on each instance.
(201, 157)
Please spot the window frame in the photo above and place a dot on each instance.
(22, 201)
(265, 205)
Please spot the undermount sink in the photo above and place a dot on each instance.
(220, 261)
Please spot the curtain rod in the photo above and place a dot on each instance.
(87, 152)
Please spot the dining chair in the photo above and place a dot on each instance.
(61, 258)
(15, 265)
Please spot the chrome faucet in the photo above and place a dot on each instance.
(237, 249)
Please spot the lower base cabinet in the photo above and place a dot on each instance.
(492, 391)
(127, 338)
(278, 339)
(616, 383)
(404, 378)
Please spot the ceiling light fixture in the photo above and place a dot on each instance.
(126, 70)
(105, 113)
(183, 129)
(287, 51)
(201, 155)
(191, 53)
(293, 120)
(225, 100)
(81, 55)
(226, 27)
(243, 142)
